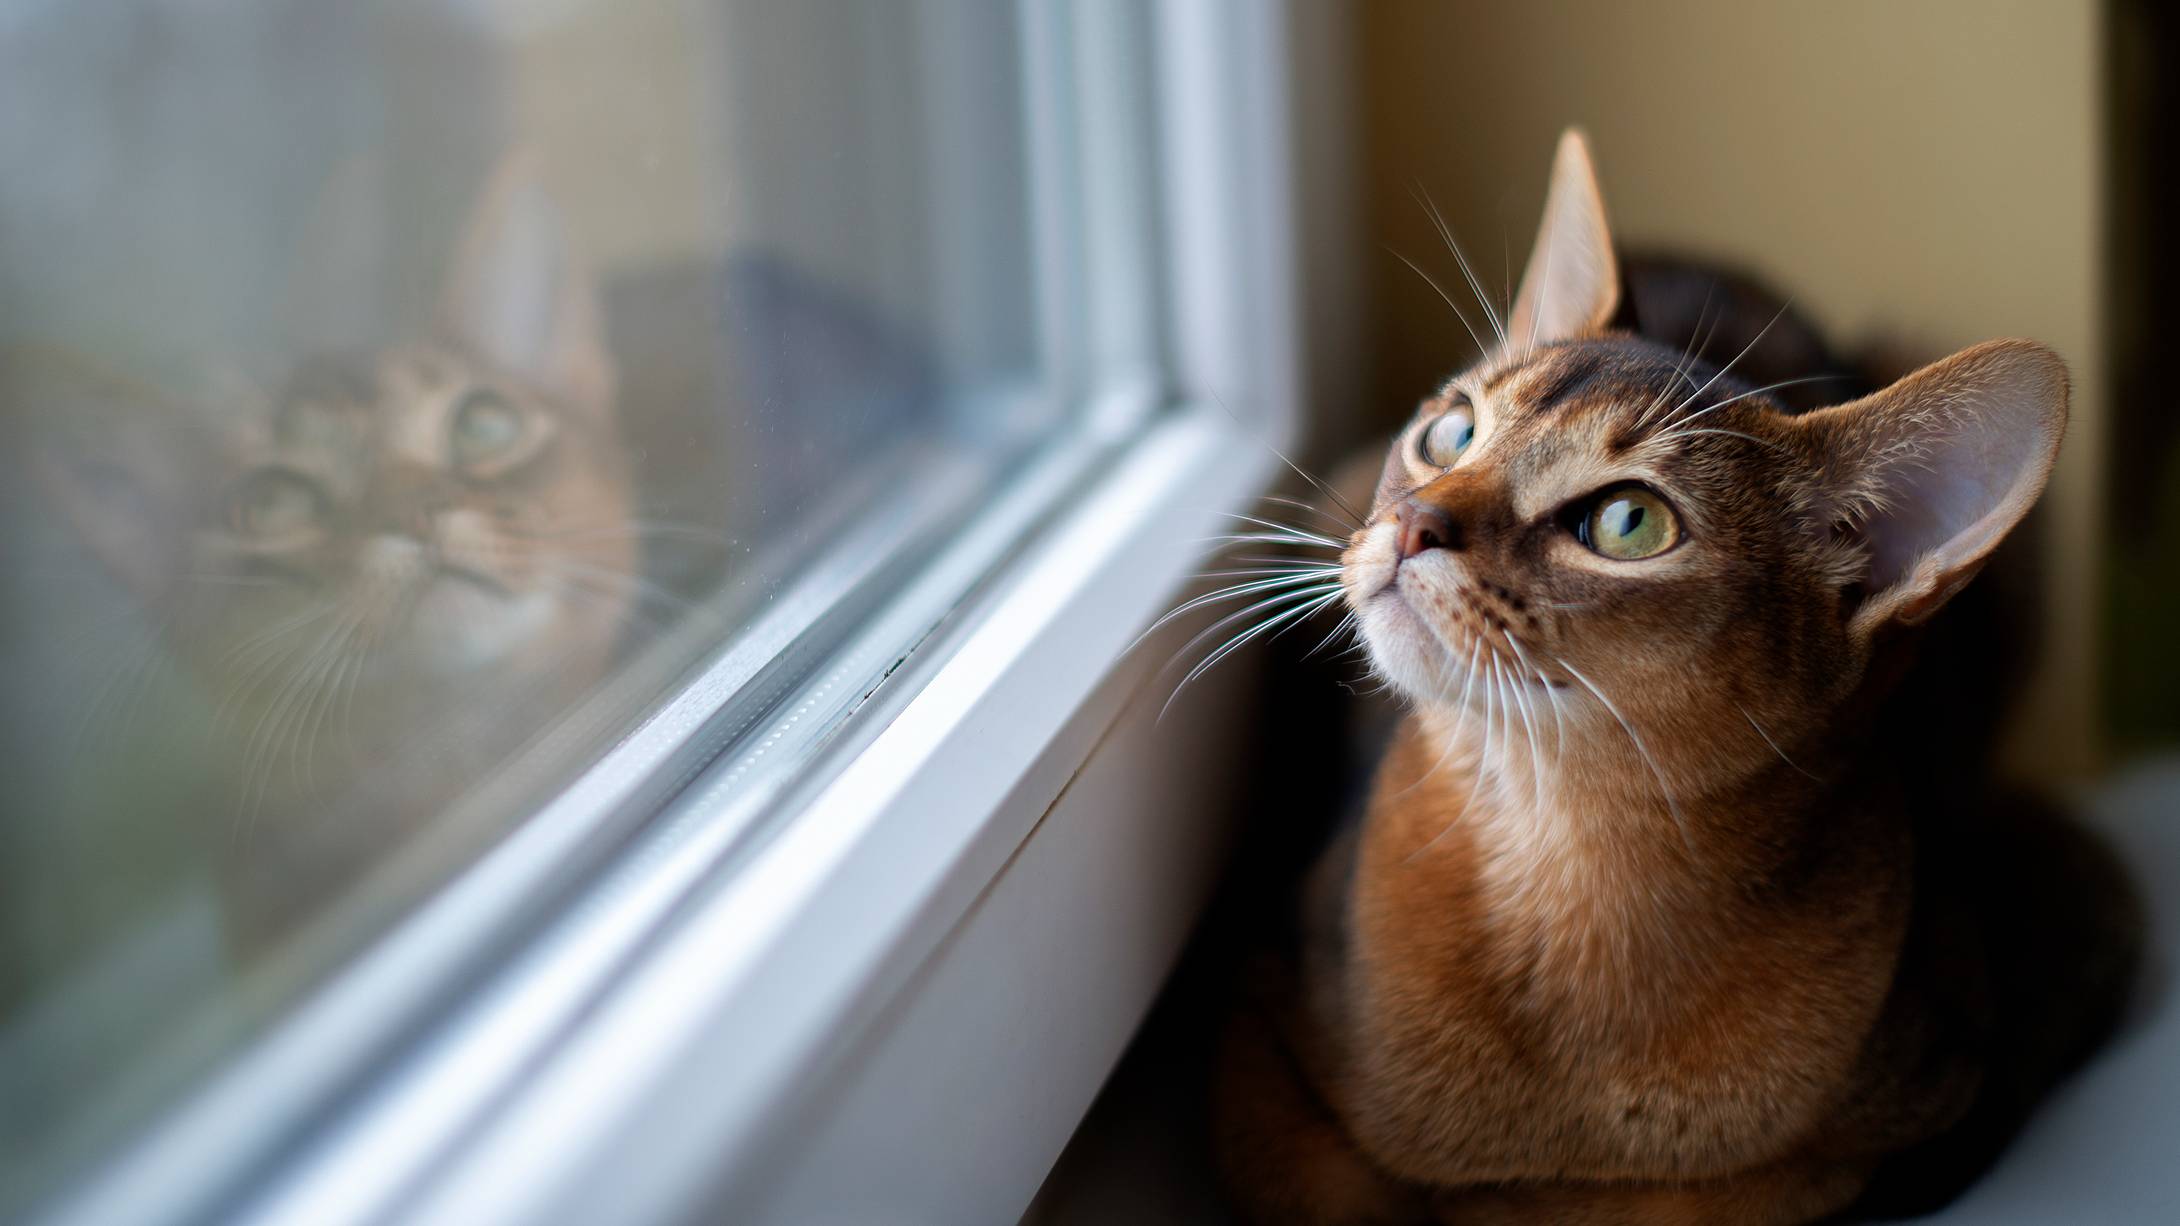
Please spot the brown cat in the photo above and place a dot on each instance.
(1650, 918)
(379, 575)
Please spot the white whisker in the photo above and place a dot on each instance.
(1476, 287)
(1287, 618)
(1433, 282)
(1641, 749)
(1768, 741)
(1721, 372)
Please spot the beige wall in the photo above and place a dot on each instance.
(1923, 171)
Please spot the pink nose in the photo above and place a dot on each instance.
(1423, 526)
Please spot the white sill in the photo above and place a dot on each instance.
(718, 1025)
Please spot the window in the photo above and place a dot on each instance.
(485, 470)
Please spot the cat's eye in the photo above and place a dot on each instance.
(1628, 523)
(485, 428)
(1444, 440)
(276, 503)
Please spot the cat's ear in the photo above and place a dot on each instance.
(518, 296)
(120, 462)
(1927, 476)
(1572, 284)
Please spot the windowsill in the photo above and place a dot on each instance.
(666, 1035)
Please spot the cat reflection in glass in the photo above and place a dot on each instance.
(382, 575)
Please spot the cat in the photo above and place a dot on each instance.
(1654, 913)
(377, 574)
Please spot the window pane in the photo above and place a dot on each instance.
(400, 401)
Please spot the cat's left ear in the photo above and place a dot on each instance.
(1572, 285)
(1930, 474)
(518, 296)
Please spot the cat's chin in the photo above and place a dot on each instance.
(460, 625)
(1406, 650)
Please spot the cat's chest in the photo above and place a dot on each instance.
(1507, 1015)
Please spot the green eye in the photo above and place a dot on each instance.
(275, 502)
(1444, 440)
(485, 427)
(1629, 523)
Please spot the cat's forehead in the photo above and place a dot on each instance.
(349, 408)
(1622, 376)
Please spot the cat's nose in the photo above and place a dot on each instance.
(1424, 526)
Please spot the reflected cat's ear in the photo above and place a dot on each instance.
(1927, 476)
(517, 295)
(120, 462)
(1572, 284)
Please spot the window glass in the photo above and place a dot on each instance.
(399, 401)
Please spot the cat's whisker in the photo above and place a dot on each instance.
(1448, 298)
(1270, 602)
(1322, 487)
(259, 758)
(650, 621)
(1483, 755)
(1506, 274)
(1768, 741)
(127, 683)
(233, 580)
(1761, 333)
(639, 529)
(1313, 508)
(1268, 538)
(267, 654)
(1237, 642)
(327, 688)
(1543, 298)
(1674, 431)
(645, 590)
(1559, 724)
(295, 739)
(1311, 568)
(1344, 625)
(1761, 442)
(1518, 685)
(1664, 789)
(1453, 739)
(1699, 343)
(1329, 565)
(1290, 530)
(1234, 592)
(1498, 326)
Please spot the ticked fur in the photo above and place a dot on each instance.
(1638, 924)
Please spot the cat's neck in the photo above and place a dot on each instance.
(1578, 851)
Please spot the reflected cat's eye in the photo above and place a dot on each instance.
(485, 428)
(1629, 523)
(273, 503)
(1444, 440)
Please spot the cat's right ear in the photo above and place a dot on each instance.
(1572, 284)
(518, 296)
(1926, 477)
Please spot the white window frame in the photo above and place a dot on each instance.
(645, 1062)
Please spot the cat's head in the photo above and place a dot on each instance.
(420, 514)
(1593, 541)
